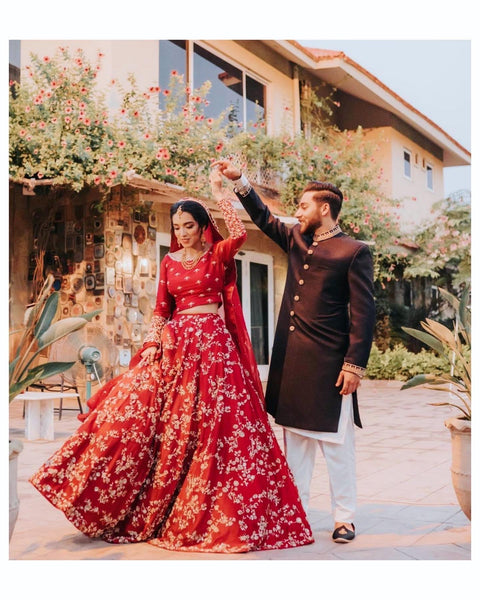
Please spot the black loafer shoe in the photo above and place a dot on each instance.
(343, 535)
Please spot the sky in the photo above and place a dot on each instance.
(431, 75)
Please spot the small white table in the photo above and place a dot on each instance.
(39, 413)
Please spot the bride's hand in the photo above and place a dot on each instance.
(148, 355)
(216, 182)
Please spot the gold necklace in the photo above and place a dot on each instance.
(189, 263)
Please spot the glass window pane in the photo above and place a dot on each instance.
(173, 57)
(259, 311)
(406, 164)
(429, 177)
(227, 86)
(255, 100)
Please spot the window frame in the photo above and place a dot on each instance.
(247, 257)
(409, 152)
(190, 51)
(429, 166)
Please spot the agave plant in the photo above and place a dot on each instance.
(41, 330)
(455, 345)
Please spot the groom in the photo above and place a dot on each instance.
(322, 340)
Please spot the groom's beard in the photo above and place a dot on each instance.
(313, 226)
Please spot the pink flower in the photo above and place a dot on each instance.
(40, 175)
(219, 147)
(174, 73)
(356, 229)
(121, 144)
(22, 132)
(147, 136)
(46, 59)
(68, 120)
(166, 92)
(41, 125)
(97, 180)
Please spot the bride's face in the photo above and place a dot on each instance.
(187, 231)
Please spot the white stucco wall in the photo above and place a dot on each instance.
(415, 198)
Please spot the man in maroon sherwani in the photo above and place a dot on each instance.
(322, 339)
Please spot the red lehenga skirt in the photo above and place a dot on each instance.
(180, 454)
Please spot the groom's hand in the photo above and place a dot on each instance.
(349, 382)
(227, 169)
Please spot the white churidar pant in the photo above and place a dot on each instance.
(339, 451)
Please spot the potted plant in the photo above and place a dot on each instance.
(454, 344)
(41, 329)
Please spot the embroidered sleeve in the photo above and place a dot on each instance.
(234, 224)
(236, 229)
(154, 334)
(163, 308)
(356, 370)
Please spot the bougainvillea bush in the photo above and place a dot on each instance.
(65, 129)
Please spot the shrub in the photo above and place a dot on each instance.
(400, 364)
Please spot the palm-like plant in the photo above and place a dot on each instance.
(455, 345)
(41, 330)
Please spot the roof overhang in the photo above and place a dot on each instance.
(341, 72)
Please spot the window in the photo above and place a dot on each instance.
(14, 60)
(173, 57)
(255, 286)
(429, 171)
(232, 89)
(407, 164)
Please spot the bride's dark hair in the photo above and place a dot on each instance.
(193, 208)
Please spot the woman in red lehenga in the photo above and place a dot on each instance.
(178, 450)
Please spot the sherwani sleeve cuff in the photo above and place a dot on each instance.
(355, 369)
(242, 186)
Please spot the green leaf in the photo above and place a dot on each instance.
(47, 315)
(463, 310)
(425, 379)
(449, 298)
(38, 373)
(444, 334)
(89, 316)
(426, 338)
(60, 329)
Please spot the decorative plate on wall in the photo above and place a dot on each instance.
(139, 234)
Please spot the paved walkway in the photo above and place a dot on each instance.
(407, 509)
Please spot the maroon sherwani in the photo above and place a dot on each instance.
(326, 321)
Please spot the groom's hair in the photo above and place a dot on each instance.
(326, 192)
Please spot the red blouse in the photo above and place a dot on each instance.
(180, 288)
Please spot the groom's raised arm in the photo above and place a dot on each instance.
(257, 210)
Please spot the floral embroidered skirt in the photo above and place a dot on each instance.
(180, 454)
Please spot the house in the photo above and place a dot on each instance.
(99, 258)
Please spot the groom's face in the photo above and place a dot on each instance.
(309, 213)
